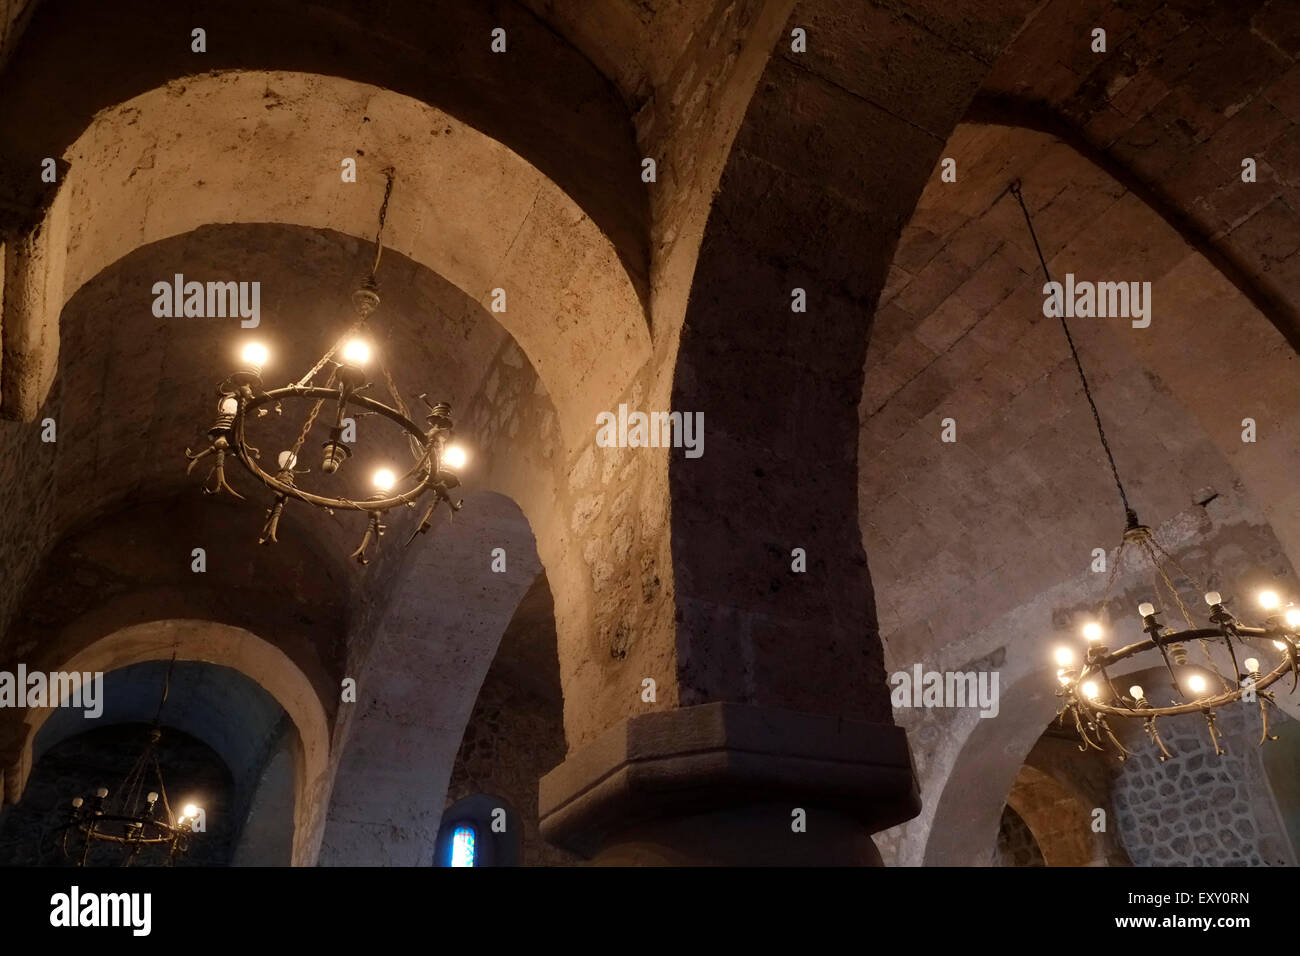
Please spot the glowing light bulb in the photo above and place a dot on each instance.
(1090, 690)
(1136, 692)
(153, 796)
(1252, 665)
(287, 460)
(1092, 631)
(1279, 645)
(454, 457)
(77, 801)
(190, 811)
(255, 354)
(229, 406)
(1064, 656)
(1293, 617)
(1196, 683)
(356, 352)
(1213, 597)
(1269, 600)
(1146, 609)
(101, 792)
(384, 479)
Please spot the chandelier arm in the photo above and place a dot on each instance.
(1129, 514)
(1160, 646)
(1198, 706)
(371, 404)
(1104, 725)
(1154, 735)
(1264, 700)
(1214, 732)
(1101, 668)
(1236, 668)
(1083, 732)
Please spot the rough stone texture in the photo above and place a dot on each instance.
(397, 754)
(1185, 91)
(516, 731)
(778, 171)
(1057, 793)
(546, 102)
(1016, 844)
(266, 838)
(1198, 808)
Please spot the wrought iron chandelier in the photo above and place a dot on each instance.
(1089, 695)
(132, 821)
(339, 379)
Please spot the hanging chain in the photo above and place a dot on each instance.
(390, 172)
(1145, 542)
(1130, 516)
(311, 420)
(417, 450)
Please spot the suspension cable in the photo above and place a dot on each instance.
(1130, 516)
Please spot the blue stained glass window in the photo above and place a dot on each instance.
(462, 846)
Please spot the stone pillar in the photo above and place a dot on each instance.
(731, 784)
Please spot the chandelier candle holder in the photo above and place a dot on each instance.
(132, 821)
(1089, 695)
(338, 381)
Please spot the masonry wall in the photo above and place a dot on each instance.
(513, 737)
(1016, 844)
(1199, 809)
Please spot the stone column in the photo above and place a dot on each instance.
(770, 635)
(731, 784)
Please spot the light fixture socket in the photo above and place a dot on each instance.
(366, 299)
(352, 377)
(250, 376)
(336, 452)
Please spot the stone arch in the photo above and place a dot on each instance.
(233, 647)
(827, 164)
(1178, 115)
(1055, 814)
(964, 813)
(990, 537)
(215, 705)
(417, 680)
(465, 206)
(545, 100)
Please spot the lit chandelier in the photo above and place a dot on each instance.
(1089, 695)
(132, 821)
(340, 380)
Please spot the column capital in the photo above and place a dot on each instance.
(695, 760)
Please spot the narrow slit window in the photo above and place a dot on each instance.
(462, 846)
